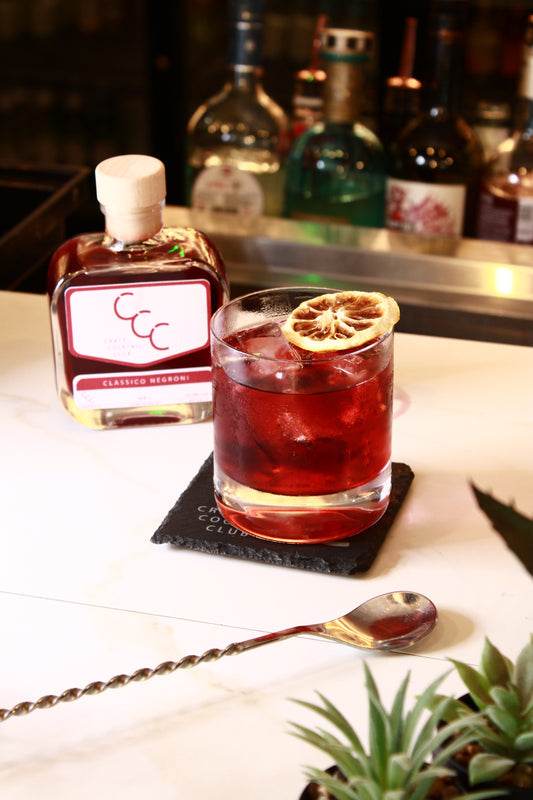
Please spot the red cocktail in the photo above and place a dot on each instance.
(302, 439)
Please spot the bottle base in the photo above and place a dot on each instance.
(105, 418)
(311, 519)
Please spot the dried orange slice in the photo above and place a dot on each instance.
(340, 321)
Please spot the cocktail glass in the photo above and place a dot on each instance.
(302, 441)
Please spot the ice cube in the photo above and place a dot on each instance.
(267, 341)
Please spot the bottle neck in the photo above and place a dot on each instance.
(245, 44)
(245, 79)
(343, 90)
(132, 226)
(446, 47)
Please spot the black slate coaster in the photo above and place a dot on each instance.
(195, 523)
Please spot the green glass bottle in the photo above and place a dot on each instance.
(336, 169)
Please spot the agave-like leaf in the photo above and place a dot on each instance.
(524, 675)
(342, 755)
(485, 767)
(394, 794)
(397, 769)
(336, 718)
(495, 666)
(396, 717)
(422, 703)
(422, 782)
(378, 739)
(338, 788)
(424, 742)
(515, 528)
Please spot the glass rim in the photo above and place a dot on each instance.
(335, 356)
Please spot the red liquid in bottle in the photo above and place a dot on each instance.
(130, 322)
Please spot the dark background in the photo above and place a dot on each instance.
(86, 79)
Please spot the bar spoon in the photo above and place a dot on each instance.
(395, 620)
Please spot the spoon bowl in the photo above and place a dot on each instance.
(395, 620)
(386, 622)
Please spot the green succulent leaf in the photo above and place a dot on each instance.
(452, 710)
(508, 724)
(524, 675)
(485, 767)
(497, 669)
(524, 743)
(475, 682)
(507, 699)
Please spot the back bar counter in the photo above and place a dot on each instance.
(460, 288)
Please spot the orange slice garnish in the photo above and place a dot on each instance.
(340, 321)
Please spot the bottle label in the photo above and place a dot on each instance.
(426, 208)
(139, 325)
(505, 219)
(226, 188)
(140, 389)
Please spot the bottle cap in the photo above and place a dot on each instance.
(130, 182)
(492, 110)
(342, 44)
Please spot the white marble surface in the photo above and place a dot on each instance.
(84, 594)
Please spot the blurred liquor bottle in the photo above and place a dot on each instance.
(308, 97)
(401, 100)
(506, 198)
(336, 168)
(492, 124)
(435, 163)
(237, 139)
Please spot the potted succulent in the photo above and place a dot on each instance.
(407, 750)
(499, 710)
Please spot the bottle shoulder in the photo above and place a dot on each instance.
(514, 155)
(238, 109)
(436, 143)
(172, 249)
(337, 141)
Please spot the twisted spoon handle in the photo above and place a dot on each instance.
(143, 674)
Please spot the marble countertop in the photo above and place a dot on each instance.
(85, 595)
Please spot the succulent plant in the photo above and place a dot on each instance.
(503, 692)
(406, 751)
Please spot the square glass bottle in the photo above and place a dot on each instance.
(130, 308)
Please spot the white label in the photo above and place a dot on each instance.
(140, 389)
(430, 208)
(138, 324)
(226, 188)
